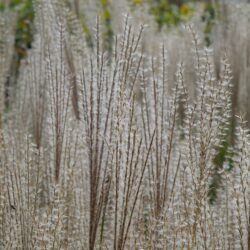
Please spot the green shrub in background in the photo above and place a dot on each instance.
(167, 13)
(173, 12)
(23, 39)
(24, 34)
(209, 16)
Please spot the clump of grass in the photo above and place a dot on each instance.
(102, 150)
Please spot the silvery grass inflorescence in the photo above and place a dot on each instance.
(99, 152)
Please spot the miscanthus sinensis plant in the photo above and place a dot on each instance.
(98, 152)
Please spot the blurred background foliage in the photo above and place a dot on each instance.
(166, 13)
(24, 31)
(23, 38)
